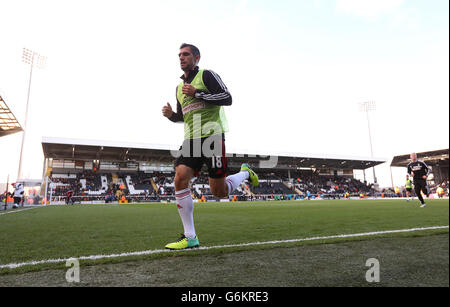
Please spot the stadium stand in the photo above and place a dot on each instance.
(136, 186)
(8, 122)
(108, 171)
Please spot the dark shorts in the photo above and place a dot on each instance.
(17, 200)
(409, 190)
(421, 185)
(195, 153)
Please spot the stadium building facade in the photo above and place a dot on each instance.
(99, 170)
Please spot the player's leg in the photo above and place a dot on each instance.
(223, 186)
(184, 171)
(426, 192)
(16, 202)
(417, 190)
(220, 184)
(218, 187)
(425, 189)
(184, 200)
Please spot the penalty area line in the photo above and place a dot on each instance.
(161, 251)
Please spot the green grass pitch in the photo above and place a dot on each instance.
(54, 232)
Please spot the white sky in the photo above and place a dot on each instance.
(296, 70)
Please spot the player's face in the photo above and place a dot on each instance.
(413, 157)
(187, 59)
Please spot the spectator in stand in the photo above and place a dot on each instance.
(440, 192)
(397, 192)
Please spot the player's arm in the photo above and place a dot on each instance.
(427, 170)
(218, 92)
(171, 115)
(408, 169)
(178, 116)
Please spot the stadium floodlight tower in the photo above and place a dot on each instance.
(368, 106)
(33, 59)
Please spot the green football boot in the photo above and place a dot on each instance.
(183, 243)
(253, 178)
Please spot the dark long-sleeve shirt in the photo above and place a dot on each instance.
(419, 168)
(218, 93)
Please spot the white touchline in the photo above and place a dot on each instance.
(19, 210)
(161, 251)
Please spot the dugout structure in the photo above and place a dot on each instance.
(8, 122)
(437, 160)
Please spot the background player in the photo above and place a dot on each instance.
(419, 171)
(408, 187)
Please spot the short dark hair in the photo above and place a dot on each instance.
(195, 51)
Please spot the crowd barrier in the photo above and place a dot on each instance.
(97, 199)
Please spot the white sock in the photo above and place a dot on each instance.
(235, 180)
(185, 207)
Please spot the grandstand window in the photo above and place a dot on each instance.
(129, 166)
(104, 165)
(57, 164)
(155, 167)
(79, 164)
(69, 164)
(88, 165)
